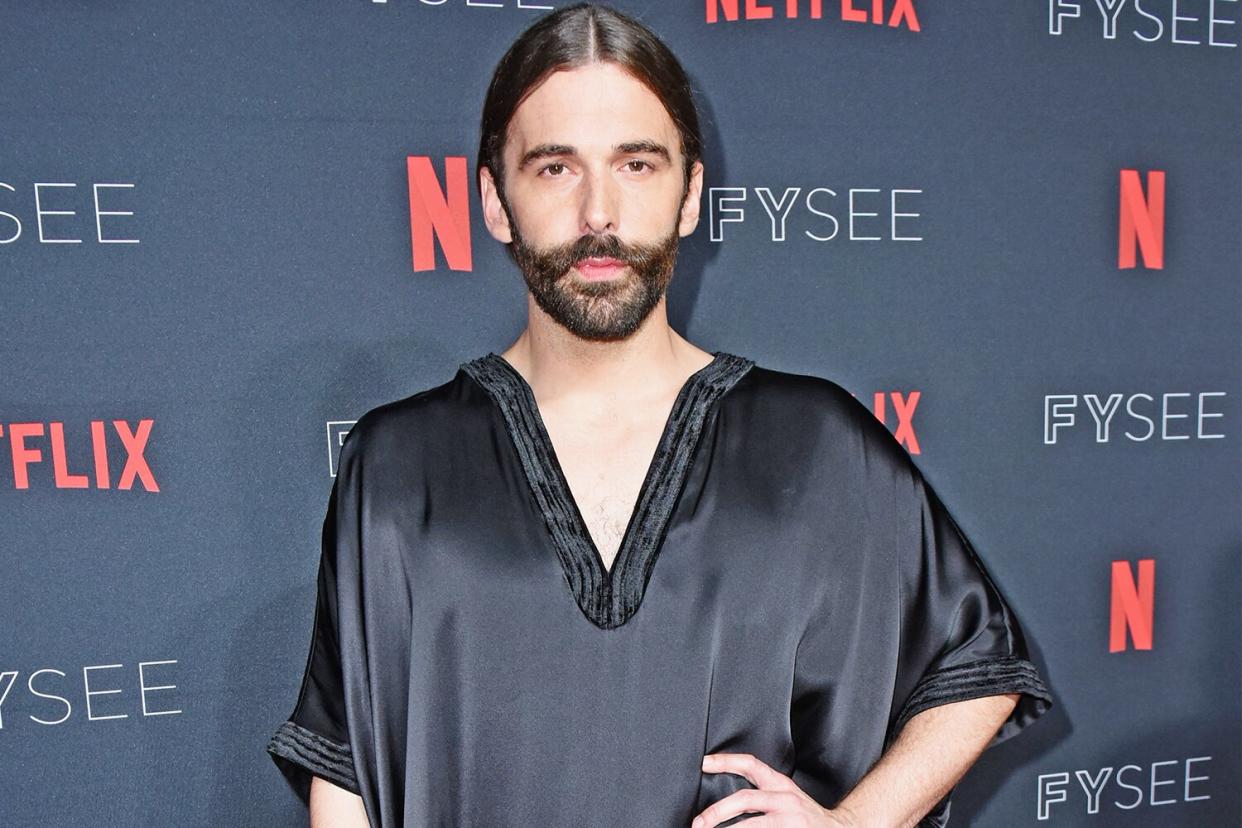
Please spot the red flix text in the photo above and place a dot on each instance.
(30, 444)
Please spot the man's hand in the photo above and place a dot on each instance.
(929, 756)
(782, 803)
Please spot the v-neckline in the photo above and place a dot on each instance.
(607, 596)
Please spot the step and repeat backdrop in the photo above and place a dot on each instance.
(228, 229)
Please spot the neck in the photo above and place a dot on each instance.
(561, 367)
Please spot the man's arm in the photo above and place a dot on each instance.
(334, 807)
(930, 755)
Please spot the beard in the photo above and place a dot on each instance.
(603, 311)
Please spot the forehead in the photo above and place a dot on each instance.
(593, 106)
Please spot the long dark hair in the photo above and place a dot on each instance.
(577, 36)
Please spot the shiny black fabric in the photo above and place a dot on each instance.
(789, 586)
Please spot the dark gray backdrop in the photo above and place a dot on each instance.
(271, 292)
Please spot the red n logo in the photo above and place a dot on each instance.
(729, 7)
(1132, 605)
(1141, 220)
(435, 215)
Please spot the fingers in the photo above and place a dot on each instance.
(776, 797)
(760, 775)
(746, 800)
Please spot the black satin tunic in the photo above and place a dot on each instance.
(788, 586)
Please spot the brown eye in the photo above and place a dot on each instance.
(636, 166)
(554, 169)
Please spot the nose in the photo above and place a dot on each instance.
(599, 204)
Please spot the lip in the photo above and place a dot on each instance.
(599, 268)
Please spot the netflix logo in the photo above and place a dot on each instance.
(901, 423)
(439, 213)
(35, 444)
(1132, 605)
(893, 14)
(1141, 220)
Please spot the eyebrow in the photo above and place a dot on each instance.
(543, 151)
(636, 147)
(628, 148)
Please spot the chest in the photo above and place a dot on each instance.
(605, 464)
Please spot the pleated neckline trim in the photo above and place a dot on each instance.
(607, 597)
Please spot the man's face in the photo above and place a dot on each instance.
(594, 183)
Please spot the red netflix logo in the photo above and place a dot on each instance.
(133, 441)
(1141, 220)
(903, 406)
(894, 13)
(439, 213)
(1132, 607)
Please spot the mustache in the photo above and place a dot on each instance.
(560, 258)
(600, 247)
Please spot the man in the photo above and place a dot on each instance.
(609, 578)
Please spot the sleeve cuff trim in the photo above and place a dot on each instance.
(317, 754)
(992, 677)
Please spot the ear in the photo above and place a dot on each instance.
(690, 206)
(494, 215)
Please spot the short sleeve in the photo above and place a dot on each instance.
(960, 639)
(315, 739)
